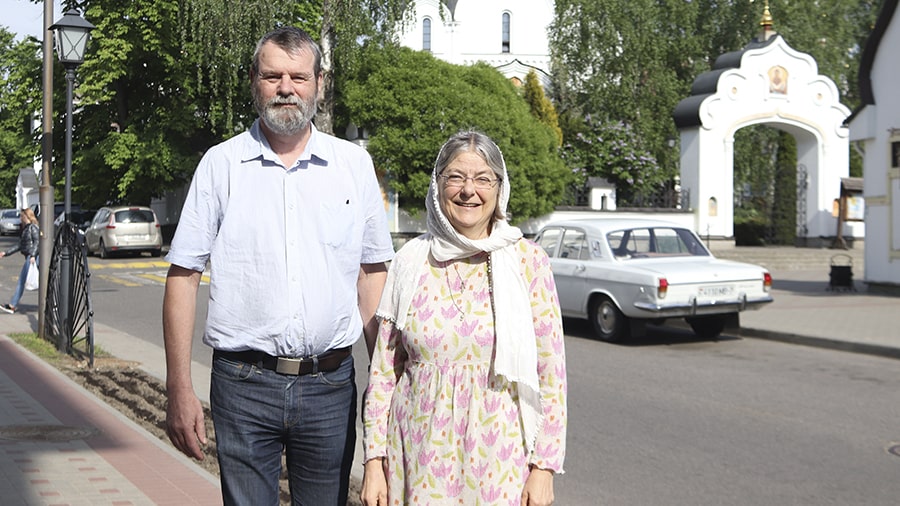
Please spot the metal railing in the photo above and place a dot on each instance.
(68, 314)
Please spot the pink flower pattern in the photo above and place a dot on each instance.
(447, 427)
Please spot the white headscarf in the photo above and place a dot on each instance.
(515, 355)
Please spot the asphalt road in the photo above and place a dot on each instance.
(669, 419)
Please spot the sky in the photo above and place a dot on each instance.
(23, 17)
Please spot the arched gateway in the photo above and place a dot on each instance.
(768, 83)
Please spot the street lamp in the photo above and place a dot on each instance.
(671, 141)
(71, 34)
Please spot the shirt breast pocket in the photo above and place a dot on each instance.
(339, 225)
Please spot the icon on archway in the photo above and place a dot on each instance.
(778, 80)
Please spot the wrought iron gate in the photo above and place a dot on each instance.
(68, 314)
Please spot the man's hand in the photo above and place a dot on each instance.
(185, 423)
(538, 488)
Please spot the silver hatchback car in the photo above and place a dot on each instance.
(123, 229)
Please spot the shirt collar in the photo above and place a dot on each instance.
(257, 147)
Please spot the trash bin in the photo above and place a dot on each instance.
(841, 275)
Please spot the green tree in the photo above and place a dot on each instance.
(142, 120)
(625, 60)
(784, 191)
(608, 149)
(20, 98)
(411, 103)
(541, 106)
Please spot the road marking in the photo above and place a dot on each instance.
(128, 265)
(152, 277)
(118, 280)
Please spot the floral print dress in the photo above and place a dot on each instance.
(448, 428)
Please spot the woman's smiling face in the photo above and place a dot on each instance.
(469, 209)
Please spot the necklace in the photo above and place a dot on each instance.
(464, 283)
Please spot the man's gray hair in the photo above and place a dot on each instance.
(292, 40)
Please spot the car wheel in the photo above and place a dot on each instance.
(155, 253)
(102, 249)
(707, 327)
(608, 322)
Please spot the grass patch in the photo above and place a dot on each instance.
(47, 351)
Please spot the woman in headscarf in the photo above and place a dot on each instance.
(466, 402)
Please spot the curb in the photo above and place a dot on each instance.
(822, 342)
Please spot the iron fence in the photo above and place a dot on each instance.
(68, 314)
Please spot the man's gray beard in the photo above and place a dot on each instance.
(286, 121)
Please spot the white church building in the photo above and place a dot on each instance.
(509, 35)
(875, 132)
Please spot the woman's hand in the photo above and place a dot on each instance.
(2, 254)
(538, 488)
(374, 485)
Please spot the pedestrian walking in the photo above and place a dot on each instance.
(29, 240)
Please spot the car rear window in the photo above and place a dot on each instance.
(134, 216)
(655, 242)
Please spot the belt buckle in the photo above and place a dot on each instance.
(285, 365)
(292, 366)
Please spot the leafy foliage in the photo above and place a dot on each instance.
(411, 103)
(541, 106)
(141, 123)
(609, 150)
(20, 98)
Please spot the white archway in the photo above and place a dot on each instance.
(772, 84)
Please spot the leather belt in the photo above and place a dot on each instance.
(299, 366)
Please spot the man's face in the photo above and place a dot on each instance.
(285, 89)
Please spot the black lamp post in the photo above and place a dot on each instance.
(71, 34)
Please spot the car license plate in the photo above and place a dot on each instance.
(136, 237)
(716, 291)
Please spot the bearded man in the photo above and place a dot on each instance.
(292, 224)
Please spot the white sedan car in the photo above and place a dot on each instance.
(624, 273)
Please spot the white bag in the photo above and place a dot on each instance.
(33, 278)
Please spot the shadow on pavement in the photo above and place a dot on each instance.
(657, 335)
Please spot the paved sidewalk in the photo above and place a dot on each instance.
(806, 312)
(61, 445)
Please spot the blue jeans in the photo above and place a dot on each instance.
(20, 288)
(259, 413)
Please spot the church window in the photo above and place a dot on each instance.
(426, 34)
(504, 48)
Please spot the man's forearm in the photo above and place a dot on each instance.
(369, 286)
(179, 306)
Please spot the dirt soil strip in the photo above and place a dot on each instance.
(142, 398)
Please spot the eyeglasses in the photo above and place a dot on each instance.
(275, 78)
(458, 181)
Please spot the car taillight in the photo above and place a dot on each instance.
(662, 288)
(767, 281)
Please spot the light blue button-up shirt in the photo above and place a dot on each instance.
(284, 244)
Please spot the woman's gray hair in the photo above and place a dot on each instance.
(471, 140)
(474, 141)
(292, 40)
